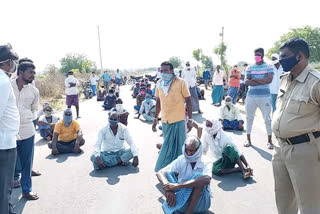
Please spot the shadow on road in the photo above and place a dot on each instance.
(232, 181)
(236, 132)
(41, 142)
(113, 174)
(17, 201)
(264, 154)
(60, 158)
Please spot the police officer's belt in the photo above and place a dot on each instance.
(300, 139)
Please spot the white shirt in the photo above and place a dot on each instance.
(94, 79)
(232, 114)
(9, 114)
(275, 84)
(189, 76)
(183, 167)
(27, 102)
(158, 75)
(108, 142)
(71, 90)
(216, 145)
(145, 107)
(217, 78)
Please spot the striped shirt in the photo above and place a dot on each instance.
(259, 72)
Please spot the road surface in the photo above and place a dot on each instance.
(70, 185)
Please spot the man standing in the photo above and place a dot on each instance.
(106, 80)
(274, 85)
(118, 77)
(295, 162)
(94, 80)
(190, 76)
(206, 77)
(110, 150)
(72, 92)
(9, 127)
(171, 92)
(234, 84)
(28, 97)
(258, 78)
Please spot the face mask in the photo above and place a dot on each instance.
(113, 122)
(148, 100)
(288, 63)
(143, 92)
(166, 78)
(275, 61)
(228, 103)
(119, 107)
(67, 120)
(210, 131)
(47, 113)
(13, 68)
(258, 58)
(110, 95)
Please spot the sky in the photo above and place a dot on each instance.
(144, 33)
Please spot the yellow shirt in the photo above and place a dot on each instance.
(298, 105)
(67, 134)
(172, 105)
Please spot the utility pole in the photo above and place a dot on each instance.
(221, 34)
(100, 50)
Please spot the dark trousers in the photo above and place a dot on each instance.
(25, 149)
(7, 164)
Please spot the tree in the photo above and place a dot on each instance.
(310, 34)
(207, 62)
(197, 54)
(175, 61)
(77, 62)
(220, 51)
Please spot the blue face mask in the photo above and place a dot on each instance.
(148, 99)
(166, 78)
(288, 63)
(113, 122)
(67, 120)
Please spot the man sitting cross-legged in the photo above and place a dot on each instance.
(186, 180)
(110, 149)
(230, 115)
(223, 149)
(47, 123)
(67, 136)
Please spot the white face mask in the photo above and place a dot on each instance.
(228, 103)
(275, 61)
(13, 68)
(119, 107)
(210, 130)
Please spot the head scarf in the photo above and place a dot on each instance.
(195, 157)
(215, 128)
(67, 120)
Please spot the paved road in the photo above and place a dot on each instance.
(69, 185)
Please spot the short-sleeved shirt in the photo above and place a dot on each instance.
(172, 105)
(67, 134)
(259, 72)
(275, 84)
(233, 82)
(298, 105)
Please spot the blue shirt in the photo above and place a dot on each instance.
(106, 77)
(259, 72)
(206, 74)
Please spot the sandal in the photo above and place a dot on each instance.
(30, 196)
(35, 173)
(246, 175)
(247, 144)
(270, 146)
(250, 171)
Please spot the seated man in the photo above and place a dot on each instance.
(123, 114)
(230, 115)
(186, 180)
(147, 109)
(110, 100)
(140, 98)
(136, 90)
(67, 135)
(225, 152)
(110, 150)
(47, 123)
(148, 90)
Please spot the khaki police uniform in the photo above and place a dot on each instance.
(296, 158)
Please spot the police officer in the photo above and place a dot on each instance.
(296, 125)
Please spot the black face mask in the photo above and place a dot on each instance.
(289, 62)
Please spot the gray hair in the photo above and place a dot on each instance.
(193, 140)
